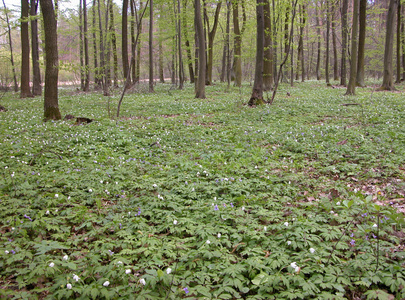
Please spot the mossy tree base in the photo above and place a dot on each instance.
(52, 113)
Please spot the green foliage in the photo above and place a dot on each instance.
(183, 198)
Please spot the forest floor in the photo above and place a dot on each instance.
(204, 199)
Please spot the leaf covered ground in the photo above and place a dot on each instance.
(208, 199)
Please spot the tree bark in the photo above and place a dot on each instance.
(362, 43)
(200, 88)
(344, 43)
(388, 82)
(268, 74)
(398, 80)
(81, 46)
(36, 73)
(188, 49)
(25, 51)
(211, 36)
(335, 55)
(151, 90)
(124, 38)
(113, 44)
(181, 68)
(318, 33)
(351, 87)
(103, 76)
(51, 107)
(237, 64)
(86, 49)
(10, 42)
(97, 81)
(257, 92)
(327, 43)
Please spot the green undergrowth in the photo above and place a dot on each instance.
(204, 199)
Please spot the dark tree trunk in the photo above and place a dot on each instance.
(97, 81)
(398, 43)
(237, 64)
(351, 87)
(200, 88)
(388, 82)
(362, 43)
(86, 49)
(403, 42)
(103, 70)
(81, 46)
(10, 42)
(25, 51)
(151, 90)
(51, 107)
(268, 75)
(188, 49)
(327, 43)
(225, 70)
(344, 43)
(335, 55)
(124, 38)
(211, 36)
(181, 68)
(257, 92)
(161, 74)
(318, 33)
(36, 73)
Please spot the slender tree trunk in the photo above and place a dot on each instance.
(362, 43)
(36, 73)
(10, 42)
(51, 107)
(113, 44)
(211, 36)
(335, 55)
(25, 51)
(81, 46)
(107, 39)
(274, 40)
(97, 81)
(344, 43)
(257, 92)
(124, 38)
(403, 41)
(302, 46)
(398, 43)
(134, 54)
(151, 90)
(86, 49)
(103, 76)
(268, 75)
(188, 48)
(327, 43)
(388, 83)
(200, 88)
(351, 87)
(318, 33)
(237, 65)
(181, 68)
(161, 74)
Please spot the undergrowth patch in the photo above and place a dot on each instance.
(210, 199)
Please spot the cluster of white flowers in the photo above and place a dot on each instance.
(128, 271)
(295, 267)
(160, 197)
(169, 270)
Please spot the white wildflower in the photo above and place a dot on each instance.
(175, 222)
(69, 286)
(219, 235)
(127, 271)
(75, 277)
(286, 224)
(375, 226)
(142, 281)
(288, 243)
(51, 264)
(65, 257)
(169, 270)
(208, 242)
(106, 283)
(6, 251)
(56, 195)
(312, 250)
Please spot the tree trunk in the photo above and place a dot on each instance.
(188, 49)
(86, 49)
(10, 42)
(81, 46)
(257, 92)
(327, 43)
(302, 46)
(97, 81)
(362, 43)
(351, 87)
(161, 74)
(388, 83)
(344, 43)
(124, 38)
(51, 107)
(36, 73)
(113, 44)
(211, 36)
(151, 90)
(103, 70)
(181, 68)
(318, 33)
(25, 51)
(237, 64)
(268, 75)
(403, 42)
(398, 43)
(335, 55)
(200, 87)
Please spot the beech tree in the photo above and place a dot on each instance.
(51, 107)
(388, 82)
(10, 43)
(362, 43)
(200, 84)
(344, 43)
(36, 73)
(25, 51)
(351, 87)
